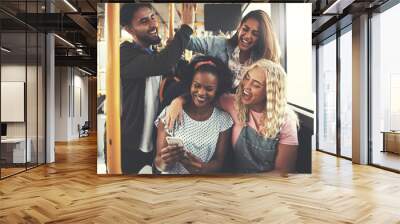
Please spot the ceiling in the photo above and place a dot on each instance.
(72, 20)
(332, 15)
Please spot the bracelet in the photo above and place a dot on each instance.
(156, 168)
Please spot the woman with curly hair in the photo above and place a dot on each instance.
(207, 128)
(264, 136)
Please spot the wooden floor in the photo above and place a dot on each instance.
(10, 171)
(69, 191)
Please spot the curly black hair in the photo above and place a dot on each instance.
(219, 69)
(128, 10)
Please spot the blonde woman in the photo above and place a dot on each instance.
(264, 135)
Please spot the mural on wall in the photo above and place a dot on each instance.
(187, 88)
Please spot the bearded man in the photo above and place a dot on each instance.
(141, 70)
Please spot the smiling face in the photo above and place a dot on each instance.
(203, 89)
(144, 27)
(248, 34)
(253, 88)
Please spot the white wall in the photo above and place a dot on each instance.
(71, 94)
(12, 73)
(299, 53)
(16, 73)
(33, 126)
(61, 103)
(81, 94)
(266, 7)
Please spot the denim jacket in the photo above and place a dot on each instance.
(215, 46)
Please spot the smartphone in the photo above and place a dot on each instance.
(174, 141)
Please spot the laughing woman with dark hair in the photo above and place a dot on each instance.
(254, 39)
(207, 129)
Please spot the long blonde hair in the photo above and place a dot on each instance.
(276, 104)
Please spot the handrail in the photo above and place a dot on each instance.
(301, 108)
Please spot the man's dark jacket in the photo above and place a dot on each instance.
(136, 66)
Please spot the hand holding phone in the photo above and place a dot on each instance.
(173, 152)
(174, 141)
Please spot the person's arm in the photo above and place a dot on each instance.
(287, 147)
(206, 45)
(174, 111)
(146, 65)
(152, 65)
(226, 102)
(286, 158)
(166, 155)
(172, 91)
(195, 165)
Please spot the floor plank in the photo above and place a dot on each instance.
(70, 191)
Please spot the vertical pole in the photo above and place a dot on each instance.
(26, 88)
(113, 105)
(171, 8)
(338, 96)
(50, 92)
(1, 165)
(360, 87)
(317, 96)
(369, 89)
